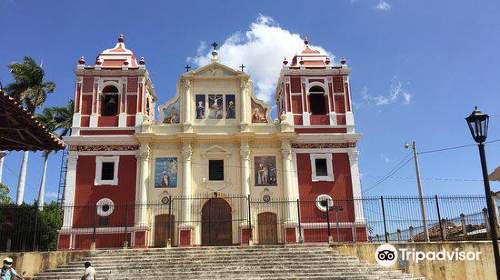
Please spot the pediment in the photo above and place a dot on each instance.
(216, 69)
(216, 150)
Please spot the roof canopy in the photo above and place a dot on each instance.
(20, 131)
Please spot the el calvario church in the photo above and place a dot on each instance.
(186, 169)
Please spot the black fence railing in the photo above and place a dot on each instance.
(225, 220)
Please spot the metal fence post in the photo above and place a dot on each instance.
(330, 238)
(250, 242)
(301, 240)
(386, 234)
(439, 218)
(486, 223)
(92, 245)
(36, 226)
(125, 240)
(169, 239)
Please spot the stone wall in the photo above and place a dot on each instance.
(34, 262)
(483, 269)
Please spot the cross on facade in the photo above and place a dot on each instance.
(214, 44)
(187, 67)
(242, 67)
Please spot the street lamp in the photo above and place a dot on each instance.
(478, 125)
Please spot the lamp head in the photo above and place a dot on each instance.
(478, 125)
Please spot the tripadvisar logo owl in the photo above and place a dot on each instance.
(386, 255)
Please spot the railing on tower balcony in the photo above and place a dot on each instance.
(219, 219)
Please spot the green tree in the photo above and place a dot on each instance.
(4, 195)
(30, 89)
(63, 117)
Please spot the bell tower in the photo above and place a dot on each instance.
(114, 95)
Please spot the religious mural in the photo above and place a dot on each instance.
(265, 171)
(215, 106)
(166, 172)
(258, 113)
(200, 106)
(171, 114)
(230, 106)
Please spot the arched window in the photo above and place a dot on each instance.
(317, 101)
(110, 101)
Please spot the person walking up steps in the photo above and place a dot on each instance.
(89, 272)
(8, 273)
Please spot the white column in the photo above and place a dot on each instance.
(187, 105)
(186, 179)
(287, 181)
(22, 179)
(356, 186)
(69, 190)
(245, 106)
(142, 199)
(245, 173)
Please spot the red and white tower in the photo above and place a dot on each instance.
(314, 95)
(114, 97)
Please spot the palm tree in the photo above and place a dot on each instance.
(48, 120)
(30, 89)
(64, 118)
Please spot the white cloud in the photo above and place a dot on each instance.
(262, 49)
(50, 194)
(383, 6)
(397, 92)
(385, 158)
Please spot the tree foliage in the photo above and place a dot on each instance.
(4, 195)
(29, 86)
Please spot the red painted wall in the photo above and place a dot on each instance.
(339, 189)
(87, 194)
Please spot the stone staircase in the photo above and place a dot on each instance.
(257, 262)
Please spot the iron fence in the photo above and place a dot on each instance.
(225, 220)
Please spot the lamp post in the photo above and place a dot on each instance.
(478, 125)
(420, 191)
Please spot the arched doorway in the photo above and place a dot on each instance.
(216, 223)
(268, 228)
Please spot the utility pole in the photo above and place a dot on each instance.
(420, 191)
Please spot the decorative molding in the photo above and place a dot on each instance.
(93, 148)
(322, 145)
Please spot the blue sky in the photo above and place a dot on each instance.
(419, 67)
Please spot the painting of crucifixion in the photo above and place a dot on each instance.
(215, 106)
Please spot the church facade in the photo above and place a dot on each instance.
(211, 152)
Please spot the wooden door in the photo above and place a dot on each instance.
(268, 228)
(162, 232)
(216, 223)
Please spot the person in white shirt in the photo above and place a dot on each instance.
(89, 272)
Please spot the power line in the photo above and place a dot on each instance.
(387, 176)
(455, 147)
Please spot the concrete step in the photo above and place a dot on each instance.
(259, 262)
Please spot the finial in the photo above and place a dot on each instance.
(342, 61)
(142, 61)
(306, 41)
(98, 61)
(214, 45)
(121, 38)
(82, 60)
(327, 61)
(285, 61)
